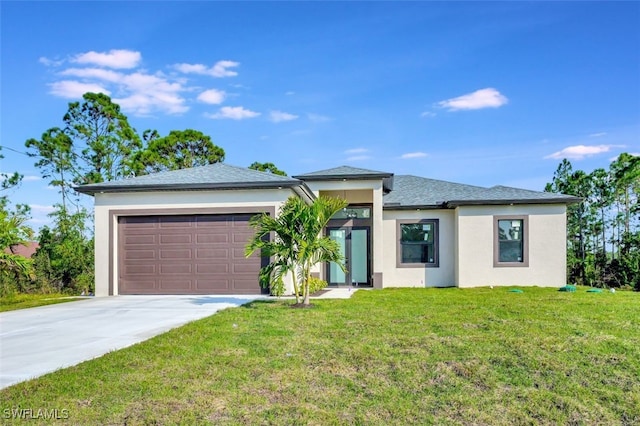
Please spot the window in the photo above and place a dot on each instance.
(353, 213)
(510, 245)
(418, 243)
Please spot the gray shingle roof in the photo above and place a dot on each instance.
(413, 191)
(418, 191)
(213, 176)
(343, 172)
(405, 191)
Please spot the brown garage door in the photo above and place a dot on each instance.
(190, 254)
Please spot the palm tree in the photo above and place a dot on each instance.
(298, 244)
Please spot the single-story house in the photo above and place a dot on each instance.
(184, 231)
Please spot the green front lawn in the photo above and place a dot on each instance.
(23, 301)
(414, 356)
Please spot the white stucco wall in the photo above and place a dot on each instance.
(547, 247)
(150, 201)
(441, 276)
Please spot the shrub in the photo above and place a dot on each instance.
(315, 284)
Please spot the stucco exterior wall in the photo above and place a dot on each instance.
(106, 223)
(546, 243)
(441, 276)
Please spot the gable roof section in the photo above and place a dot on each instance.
(348, 172)
(213, 176)
(344, 172)
(412, 192)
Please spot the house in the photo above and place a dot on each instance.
(27, 249)
(184, 231)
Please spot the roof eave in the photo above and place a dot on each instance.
(568, 200)
(415, 207)
(94, 189)
(344, 177)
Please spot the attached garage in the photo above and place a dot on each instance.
(186, 254)
(184, 231)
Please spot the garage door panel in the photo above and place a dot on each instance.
(182, 254)
(140, 269)
(175, 284)
(209, 222)
(175, 239)
(202, 253)
(214, 285)
(238, 255)
(141, 239)
(171, 221)
(139, 284)
(141, 222)
(247, 284)
(245, 269)
(133, 254)
(212, 268)
(187, 254)
(176, 268)
(212, 238)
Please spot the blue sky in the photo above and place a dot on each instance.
(470, 92)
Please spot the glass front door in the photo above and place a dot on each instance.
(354, 246)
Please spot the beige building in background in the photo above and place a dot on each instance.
(184, 232)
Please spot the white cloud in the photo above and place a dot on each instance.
(139, 92)
(483, 98)
(428, 114)
(39, 221)
(597, 135)
(356, 151)
(578, 152)
(39, 208)
(148, 93)
(410, 155)
(31, 178)
(212, 96)
(233, 113)
(115, 58)
(359, 158)
(289, 93)
(50, 62)
(75, 89)
(94, 73)
(317, 118)
(147, 103)
(280, 116)
(219, 69)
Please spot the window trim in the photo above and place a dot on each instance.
(525, 242)
(436, 243)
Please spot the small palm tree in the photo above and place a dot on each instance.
(298, 243)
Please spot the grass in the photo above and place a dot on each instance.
(23, 301)
(396, 356)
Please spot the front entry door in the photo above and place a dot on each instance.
(354, 246)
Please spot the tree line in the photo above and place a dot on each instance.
(95, 143)
(603, 231)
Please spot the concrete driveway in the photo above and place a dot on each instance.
(37, 341)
